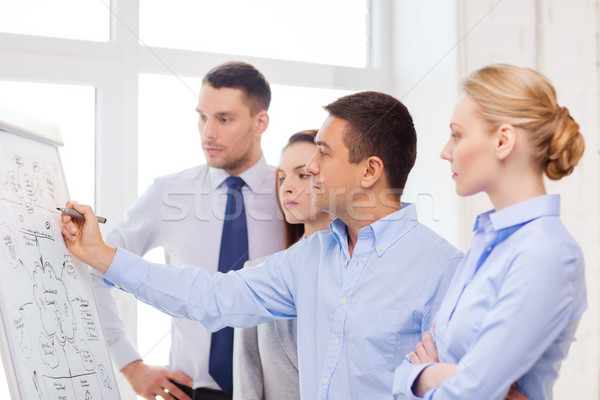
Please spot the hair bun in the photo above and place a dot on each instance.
(566, 145)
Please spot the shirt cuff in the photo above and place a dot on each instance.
(126, 271)
(405, 376)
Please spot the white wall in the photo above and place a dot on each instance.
(438, 42)
(425, 76)
(559, 38)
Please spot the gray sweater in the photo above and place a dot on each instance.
(265, 360)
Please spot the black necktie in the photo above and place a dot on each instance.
(233, 255)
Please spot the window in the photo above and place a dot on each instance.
(316, 31)
(119, 106)
(71, 19)
(72, 109)
(294, 109)
(167, 126)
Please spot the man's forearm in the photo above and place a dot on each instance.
(102, 259)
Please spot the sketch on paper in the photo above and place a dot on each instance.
(48, 308)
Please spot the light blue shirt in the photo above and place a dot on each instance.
(511, 311)
(357, 316)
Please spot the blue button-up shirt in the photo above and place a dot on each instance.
(357, 316)
(511, 311)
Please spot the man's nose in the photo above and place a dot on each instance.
(311, 166)
(207, 129)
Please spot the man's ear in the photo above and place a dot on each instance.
(262, 122)
(372, 173)
(505, 141)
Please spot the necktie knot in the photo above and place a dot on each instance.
(235, 182)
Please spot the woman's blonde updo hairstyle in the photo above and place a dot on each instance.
(526, 99)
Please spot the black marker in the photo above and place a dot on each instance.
(75, 213)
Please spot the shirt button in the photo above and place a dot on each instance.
(380, 248)
(325, 381)
(344, 301)
(336, 341)
(489, 249)
(118, 287)
(346, 262)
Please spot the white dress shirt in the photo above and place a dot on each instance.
(183, 214)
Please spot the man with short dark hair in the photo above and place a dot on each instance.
(363, 292)
(243, 76)
(184, 214)
(374, 121)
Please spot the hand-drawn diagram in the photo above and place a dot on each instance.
(46, 300)
(20, 332)
(9, 245)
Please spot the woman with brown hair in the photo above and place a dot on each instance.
(514, 304)
(265, 365)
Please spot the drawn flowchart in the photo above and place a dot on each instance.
(48, 308)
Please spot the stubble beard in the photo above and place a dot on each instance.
(227, 164)
(320, 201)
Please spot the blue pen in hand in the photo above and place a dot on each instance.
(73, 213)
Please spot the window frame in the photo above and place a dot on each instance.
(114, 67)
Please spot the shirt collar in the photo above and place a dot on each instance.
(340, 232)
(386, 230)
(520, 213)
(253, 176)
